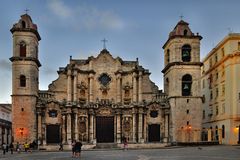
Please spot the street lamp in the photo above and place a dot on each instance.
(238, 128)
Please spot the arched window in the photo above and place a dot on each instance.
(168, 56)
(186, 53)
(23, 24)
(185, 32)
(23, 49)
(223, 131)
(186, 85)
(22, 81)
(216, 133)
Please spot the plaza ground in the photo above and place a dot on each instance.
(174, 153)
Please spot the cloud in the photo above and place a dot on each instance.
(59, 9)
(5, 65)
(85, 17)
(49, 71)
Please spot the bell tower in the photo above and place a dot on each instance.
(182, 83)
(25, 73)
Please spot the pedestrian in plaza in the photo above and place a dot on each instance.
(73, 148)
(18, 147)
(78, 148)
(11, 147)
(125, 143)
(26, 146)
(60, 146)
(4, 147)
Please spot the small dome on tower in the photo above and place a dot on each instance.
(25, 24)
(181, 29)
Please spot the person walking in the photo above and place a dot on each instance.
(73, 148)
(125, 143)
(78, 148)
(11, 147)
(4, 147)
(60, 146)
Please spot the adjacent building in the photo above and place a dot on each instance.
(220, 88)
(5, 124)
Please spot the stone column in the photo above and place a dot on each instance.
(10, 136)
(209, 135)
(140, 87)
(118, 128)
(91, 88)
(76, 127)
(5, 136)
(39, 125)
(69, 86)
(63, 129)
(91, 128)
(145, 127)
(118, 88)
(75, 87)
(166, 128)
(134, 125)
(69, 128)
(140, 127)
(134, 87)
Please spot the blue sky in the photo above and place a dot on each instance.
(133, 28)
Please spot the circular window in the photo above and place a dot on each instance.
(104, 79)
(154, 114)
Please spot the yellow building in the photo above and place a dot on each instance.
(220, 85)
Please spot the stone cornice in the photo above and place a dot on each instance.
(181, 63)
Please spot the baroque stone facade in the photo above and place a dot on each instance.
(104, 99)
(99, 99)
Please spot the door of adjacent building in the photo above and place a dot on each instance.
(105, 129)
(53, 134)
(154, 133)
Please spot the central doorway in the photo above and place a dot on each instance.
(53, 135)
(105, 129)
(154, 133)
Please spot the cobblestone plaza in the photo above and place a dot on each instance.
(179, 153)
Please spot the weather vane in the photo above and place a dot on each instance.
(104, 43)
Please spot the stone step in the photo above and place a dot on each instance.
(106, 145)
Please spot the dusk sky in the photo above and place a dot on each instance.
(133, 28)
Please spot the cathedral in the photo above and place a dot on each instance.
(104, 99)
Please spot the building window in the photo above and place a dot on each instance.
(216, 110)
(168, 56)
(185, 32)
(223, 131)
(211, 95)
(203, 114)
(187, 111)
(223, 108)
(154, 114)
(203, 98)
(186, 53)
(210, 80)
(22, 81)
(216, 58)
(216, 132)
(203, 83)
(216, 92)
(23, 24)
(223, 52)
(104, 79)
(23, 49)
(186, 85)
(217, 76)
(223, 89)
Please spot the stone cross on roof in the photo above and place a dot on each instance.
(104, 43)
